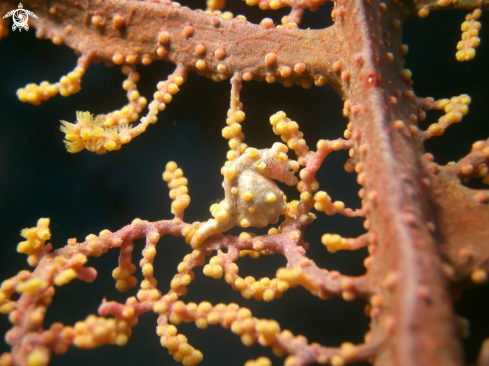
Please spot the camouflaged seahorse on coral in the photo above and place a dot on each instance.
(251, 197)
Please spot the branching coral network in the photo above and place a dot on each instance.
(426, 226)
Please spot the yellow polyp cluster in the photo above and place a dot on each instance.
(470, 40)
(22, 283)
(65, 276)
(213, 5)
(483, 171)
(180, 282)
(90, 133)
(289, 132)
(333, 242)
(213, 269)
(148, 270)
(124, 278)
(30, 286)
(96, 331)
(252, 330)
(178, 346)
(65, 269)
(36, 238)
(202, 314)
(6, 358)
(478, 276)
(38, 357)
(348, 351)
(277, 4)
(164, 95)
(35, 94)
(233, 133)
(68, 85)
(7, 289)
(231, 273)
(178, 188)
(290, 275)
(481, 146)
(63, 334)
(322, 202)
(185, 274)
(110, 131)
(296, 276)
(196, 235)
(267, 331)
(263, 289)
(130, 112)
(455, 108)
(94, 245)
(252, 253)
(127, 114)
(349, 127)
(337, 360)
(244, 325)
(274, 230)
(292, 211)
(260, 361)
(148, 290)
(149, 294)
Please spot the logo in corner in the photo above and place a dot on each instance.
(20, 17)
